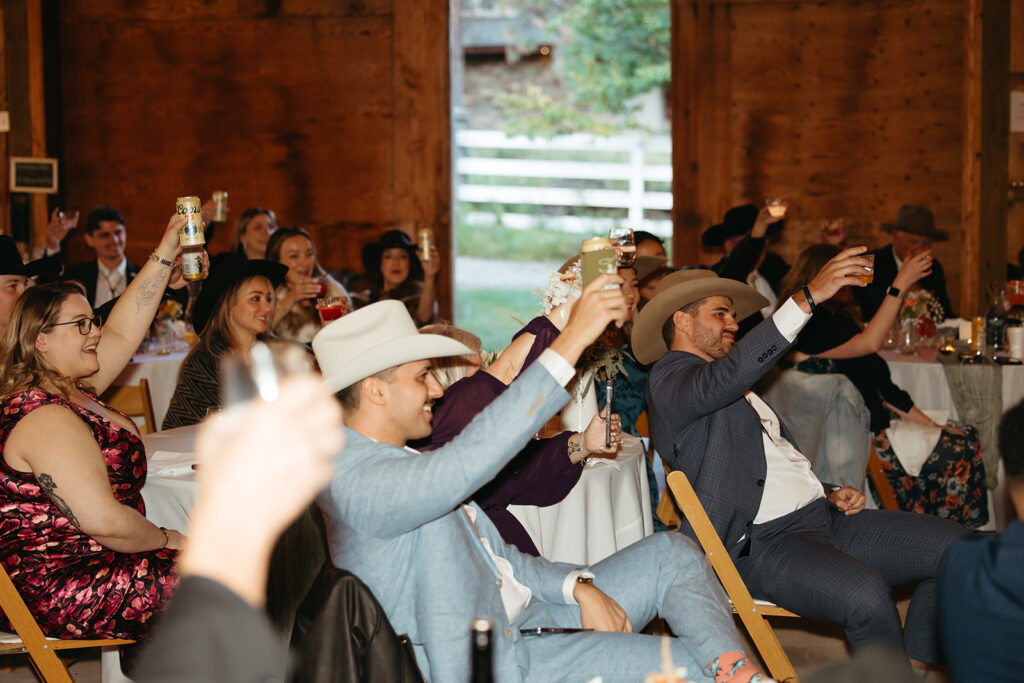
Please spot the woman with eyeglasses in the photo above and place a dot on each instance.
(74, 537)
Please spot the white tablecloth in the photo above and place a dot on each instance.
(608, 509)
(923, 378)
(169, 498)
(162, 374)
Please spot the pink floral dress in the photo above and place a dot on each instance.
(75, 587)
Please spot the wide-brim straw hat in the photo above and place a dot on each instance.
(375, 338)
(917, 220)
(225, 272)
(681, 289)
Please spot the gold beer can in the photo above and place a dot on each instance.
(597, 257)
(424, 239)
(220, 200)
(191, 234)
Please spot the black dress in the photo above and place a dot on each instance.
(952, 480)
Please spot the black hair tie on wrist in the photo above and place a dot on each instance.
(810, 299)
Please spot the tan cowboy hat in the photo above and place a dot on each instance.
(375, 338)
(681, 289)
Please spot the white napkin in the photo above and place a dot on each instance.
(170, 464)
(913, 443)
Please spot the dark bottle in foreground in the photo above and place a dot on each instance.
(995, 319)
(481, 648)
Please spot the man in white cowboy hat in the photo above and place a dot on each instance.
(400, 521)
(807, 546)
(913, 232)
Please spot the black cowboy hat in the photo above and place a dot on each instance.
(737, 221)
(917, 220)
(392, 239)
(226, 272)
(11, 263)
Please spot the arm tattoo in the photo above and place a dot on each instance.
(49, 486)
(148, 289)
(575, 446)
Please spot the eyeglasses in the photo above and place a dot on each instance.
(84, 325)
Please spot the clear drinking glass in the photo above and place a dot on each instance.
(625, 245)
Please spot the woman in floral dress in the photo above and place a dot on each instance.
(951, 482)
(73, 533)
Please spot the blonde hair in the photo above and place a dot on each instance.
(243, 222)
(22, 367)
(450, 369)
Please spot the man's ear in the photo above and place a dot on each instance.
(374, 390)
(88, 239)
(682, 322)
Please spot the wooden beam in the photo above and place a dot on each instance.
(701, 129)
(985, 173)
(422, 129)
(37, 111)
(5, 152)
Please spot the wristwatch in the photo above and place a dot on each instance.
(893, 291)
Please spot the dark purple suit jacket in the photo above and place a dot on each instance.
(541, 474)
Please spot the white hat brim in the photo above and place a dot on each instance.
(394, 353)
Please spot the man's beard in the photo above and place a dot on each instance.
(708, 341)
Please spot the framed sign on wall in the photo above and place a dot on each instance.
(30, 174)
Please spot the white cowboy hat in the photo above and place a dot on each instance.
(375, 338)
(681, 289)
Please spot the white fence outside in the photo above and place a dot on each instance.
(547, 203)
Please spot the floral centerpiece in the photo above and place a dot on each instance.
(921, 308)
(170, 327)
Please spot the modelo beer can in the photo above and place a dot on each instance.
(598, 257)
(191, 234)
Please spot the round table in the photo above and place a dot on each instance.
(170, 488)
(161, 371)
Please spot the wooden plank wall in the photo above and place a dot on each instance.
(334, 114)
(846, 108)
(1015, 218)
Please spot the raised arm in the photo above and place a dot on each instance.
(136, 308)
(61, 452)
(386, 495)
(426, 308)
(871, 338)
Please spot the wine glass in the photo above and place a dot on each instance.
(625, 245)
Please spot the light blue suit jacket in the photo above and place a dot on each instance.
(394, 519)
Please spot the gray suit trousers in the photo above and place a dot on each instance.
(830, 567)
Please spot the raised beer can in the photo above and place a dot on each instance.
(598, 256)
(424, 238)
(191, 234)
(220, 200)
(192, 264)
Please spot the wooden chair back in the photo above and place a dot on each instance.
(133, 401)
(29, 638)
(881, 482)
(751, 612)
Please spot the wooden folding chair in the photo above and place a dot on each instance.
(28, 637)
(751, 612)
(881, 482)
(133, 401)
(665, 511)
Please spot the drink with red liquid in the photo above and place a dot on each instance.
(331, 308)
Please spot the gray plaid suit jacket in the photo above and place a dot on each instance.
(702, 425)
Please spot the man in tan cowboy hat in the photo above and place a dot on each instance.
(400, 521)
(913, 232)
(807, 546)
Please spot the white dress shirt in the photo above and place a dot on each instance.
(110, 284)
(789, 483)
